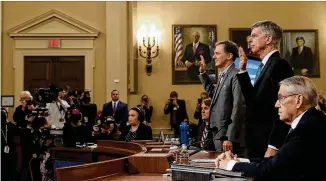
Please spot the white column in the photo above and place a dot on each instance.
(116, 49)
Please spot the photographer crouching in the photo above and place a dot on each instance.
(57, 108)
(106, 129)
(74, 130)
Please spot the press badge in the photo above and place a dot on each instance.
(6, 149)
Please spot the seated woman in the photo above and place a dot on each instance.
(106, 131)
(136, 130)
(73, 130)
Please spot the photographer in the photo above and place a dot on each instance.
(22, 112)
(177, 110)
(88, 110)
(197, 114)
(57, 108)
(147, 109)
(74, 130)
(36, 142)
(108, 130)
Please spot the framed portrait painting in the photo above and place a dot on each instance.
(300, 48)
(189, 44)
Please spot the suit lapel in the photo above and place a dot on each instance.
(270, 60)
(220, 85)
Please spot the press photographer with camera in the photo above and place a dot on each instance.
(22, 113)
(177, 110)
(88, 110)
(147, 109)
(74, 131)
(106, 130)
(36, 142)
(197, 114)
(57, 108)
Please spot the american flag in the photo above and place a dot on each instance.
(177, 44)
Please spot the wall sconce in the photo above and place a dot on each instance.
(148, 39)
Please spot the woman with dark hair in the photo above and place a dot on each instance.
(136, 130)
(147, 109)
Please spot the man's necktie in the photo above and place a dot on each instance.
(299, 50)
(114, 106)
(194, 48)
(259, 71)
(204, 136)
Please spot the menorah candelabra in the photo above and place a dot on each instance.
(149, 53)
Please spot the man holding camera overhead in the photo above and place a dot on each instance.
(57, 110)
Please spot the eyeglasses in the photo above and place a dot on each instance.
(282, 98)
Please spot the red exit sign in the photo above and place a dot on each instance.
(55, 43)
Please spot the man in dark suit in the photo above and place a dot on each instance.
(204, 134)
(117, 109)
(177, 110)
(301, 157)
(263, 127)
(191, 57)
(301, 58)
(227, 99)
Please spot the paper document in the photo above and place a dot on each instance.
(213, 160)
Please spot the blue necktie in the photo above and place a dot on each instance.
(259, 71)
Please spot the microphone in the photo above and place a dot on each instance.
(226, 124)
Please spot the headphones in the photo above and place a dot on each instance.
(140, 114)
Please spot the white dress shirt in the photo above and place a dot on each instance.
(294, 124)
(264, 61)
(55, 114)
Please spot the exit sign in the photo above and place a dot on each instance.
(55, 43)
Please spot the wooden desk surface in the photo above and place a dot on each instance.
(139, 177)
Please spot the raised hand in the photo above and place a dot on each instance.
(243, 59)
(202, 67)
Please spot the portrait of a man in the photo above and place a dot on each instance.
(300, 48)
(191, 42)
(301, 57)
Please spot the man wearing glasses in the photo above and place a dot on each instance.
(263, 129)
(296, 103)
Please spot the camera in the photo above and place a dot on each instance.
(46, 95)
(199, 101)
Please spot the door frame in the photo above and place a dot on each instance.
(19, 62)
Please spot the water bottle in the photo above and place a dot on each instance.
(177, 141)
(184, 133)
(184, 155)
(173, 153)
(172, 141)
(177, 154)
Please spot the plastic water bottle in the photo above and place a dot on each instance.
(172, 141)
(184, 155)
(184, 133)
(177, 141)
(177, 154)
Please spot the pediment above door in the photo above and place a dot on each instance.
(53, 24)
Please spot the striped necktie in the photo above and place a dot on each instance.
(204, 136)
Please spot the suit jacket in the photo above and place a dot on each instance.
(120, 114)
(260, 100)
(227, 103)
(143, 132)
(181, 112)
(203, 50)
(295, 160)
(210, 145)
(303, 60)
